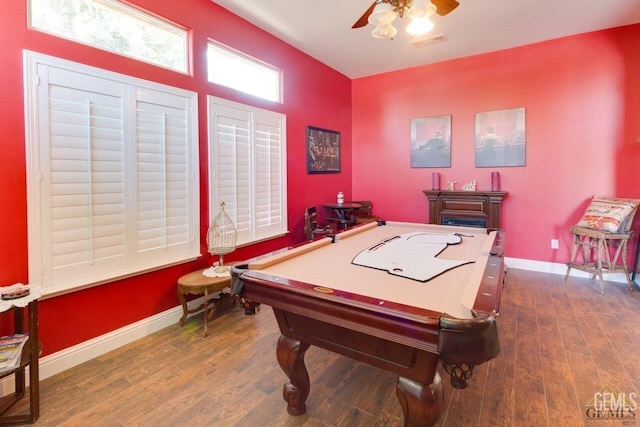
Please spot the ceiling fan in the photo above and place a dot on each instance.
(401, 6)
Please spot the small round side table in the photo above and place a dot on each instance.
(196, 283)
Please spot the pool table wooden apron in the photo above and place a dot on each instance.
(397, 324)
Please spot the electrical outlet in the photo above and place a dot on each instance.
(554, 244)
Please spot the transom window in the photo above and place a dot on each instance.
(232, 69)
(113, 26)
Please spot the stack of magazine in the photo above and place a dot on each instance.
(10, 350)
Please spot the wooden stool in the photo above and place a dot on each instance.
(591, 253)
(603, 230)
(196, 283)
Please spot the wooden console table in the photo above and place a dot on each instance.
(469, 208)
(29, 359)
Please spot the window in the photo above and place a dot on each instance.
(247, 168)
(232, 69)
(112, 174)
(113, 26)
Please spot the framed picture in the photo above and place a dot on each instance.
(500, 138)
(431, 142)
(323, 150)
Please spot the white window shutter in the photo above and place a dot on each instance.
(268, 179)
(112, 174)
(233, 168)
(247, 168)
(162, 153)
(83, 173)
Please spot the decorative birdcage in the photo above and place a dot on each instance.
(221, 240)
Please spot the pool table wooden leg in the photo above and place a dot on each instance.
(422, 404)
(290, 353)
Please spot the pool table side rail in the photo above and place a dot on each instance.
(489, 294)
(411, 326)
(408, 312)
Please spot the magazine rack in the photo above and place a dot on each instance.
(29, 359)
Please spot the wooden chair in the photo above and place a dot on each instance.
(363, 214)
(312, 228)
(600, 238)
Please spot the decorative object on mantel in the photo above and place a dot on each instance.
(435, 181)
(495, 181)
(452, 185)
(470, 186)
(221, 240)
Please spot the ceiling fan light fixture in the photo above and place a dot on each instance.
(385, 31)
(420, 26)
(421, 9)
(382, 14)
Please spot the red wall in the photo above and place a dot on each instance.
(313, 95)
(582, 100)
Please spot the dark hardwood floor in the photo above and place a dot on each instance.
(561, 343)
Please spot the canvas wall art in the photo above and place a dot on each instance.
(323, 150)
(431, 142)
(500, 138)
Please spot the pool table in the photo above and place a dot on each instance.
(402, 325)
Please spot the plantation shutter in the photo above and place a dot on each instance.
(112, 174)
(232, 129)
(269, 184)
(83, 174)
(248, 171)
(162, 141)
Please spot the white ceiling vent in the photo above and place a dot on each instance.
(429, 41)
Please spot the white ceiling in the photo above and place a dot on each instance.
(322, 28)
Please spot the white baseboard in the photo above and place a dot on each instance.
(87, 350)
(60, 361)
(556, 268)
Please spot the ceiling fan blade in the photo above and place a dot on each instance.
(444, 6)
(363, 19)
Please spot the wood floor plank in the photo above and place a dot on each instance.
(381, 387)
(527, 344)
(391, 414)
(586, 380)
(356, 418)
(561, 396)
(339, 403)
(530, 407)
(550, 342)
(629, 357)
(608, 367)
(572, 337)
(498, 398)
(560, 343)
(464, 409)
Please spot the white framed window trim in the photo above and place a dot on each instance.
(112, 174)
(247, 168)
(233, 69)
